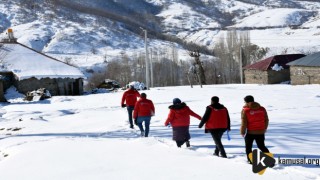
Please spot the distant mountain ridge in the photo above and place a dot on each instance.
(99, 26)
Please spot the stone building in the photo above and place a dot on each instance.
(305, 70)
(272, 70)
(28, 70)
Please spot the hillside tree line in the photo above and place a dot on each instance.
(169, 70)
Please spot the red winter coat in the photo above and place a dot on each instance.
(215, 117)
(130, 97)
(143, 107)
(218, 119)
(179, 115)
(254, 119)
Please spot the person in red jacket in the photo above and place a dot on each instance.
(129, 99)
(143, 111)
(179, 119)
(254, 124)
(217, 121)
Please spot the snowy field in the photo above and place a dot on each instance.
(88, 137)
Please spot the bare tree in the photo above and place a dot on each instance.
(198, 69)
(228, 52)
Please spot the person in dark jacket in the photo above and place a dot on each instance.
(217, 121)
(129, 99)
(143, 110)
(254, 123)
(179, 119)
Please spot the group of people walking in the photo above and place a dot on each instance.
(142, 109)
(216, 119)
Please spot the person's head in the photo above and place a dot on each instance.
(143, 95)
(215, 99)
(176, 101)
(131, 87)
(248, 99)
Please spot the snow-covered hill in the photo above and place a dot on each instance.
(89, 31)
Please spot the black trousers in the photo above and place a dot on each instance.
(259, 138)
(217, 135)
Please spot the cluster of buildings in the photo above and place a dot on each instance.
(299, 69)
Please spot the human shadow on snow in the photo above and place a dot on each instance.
(45, 101)
(110, 134)
(127, 135)
(213, 146)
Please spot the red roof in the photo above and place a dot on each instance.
(268, 63)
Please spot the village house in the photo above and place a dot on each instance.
(28, 70)
(272, 70)
(305, 70)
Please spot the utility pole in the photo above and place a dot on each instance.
(146, 58)
(240, 66)
(151, 67)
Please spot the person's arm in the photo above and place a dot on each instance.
(191, 113)
(136, 110)
(266, 119)
(152, 109)
(205, 117)
(123, 99)
(137, 93)
(229, 123)
(244, 123)
(169, 118)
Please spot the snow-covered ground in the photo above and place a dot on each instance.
(88, 137)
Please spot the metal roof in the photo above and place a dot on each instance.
(268, 63)
(310, 60)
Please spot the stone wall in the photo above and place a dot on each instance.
(255, 76)
(58, 86)
(266, 77)
(2, 99)
(304, 75)
(276, 77)
(7, 80)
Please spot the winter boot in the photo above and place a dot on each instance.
(188, 143)
(216, 152)
(142, 133)
(179, 143)
(224, 156)
(248, 160)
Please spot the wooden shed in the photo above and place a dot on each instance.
(28, 70)
(272, 70)
(305, 70)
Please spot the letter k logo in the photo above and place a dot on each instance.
(260, 161)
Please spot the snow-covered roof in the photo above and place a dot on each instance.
(25, 63)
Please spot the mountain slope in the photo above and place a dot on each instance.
(100, 27)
